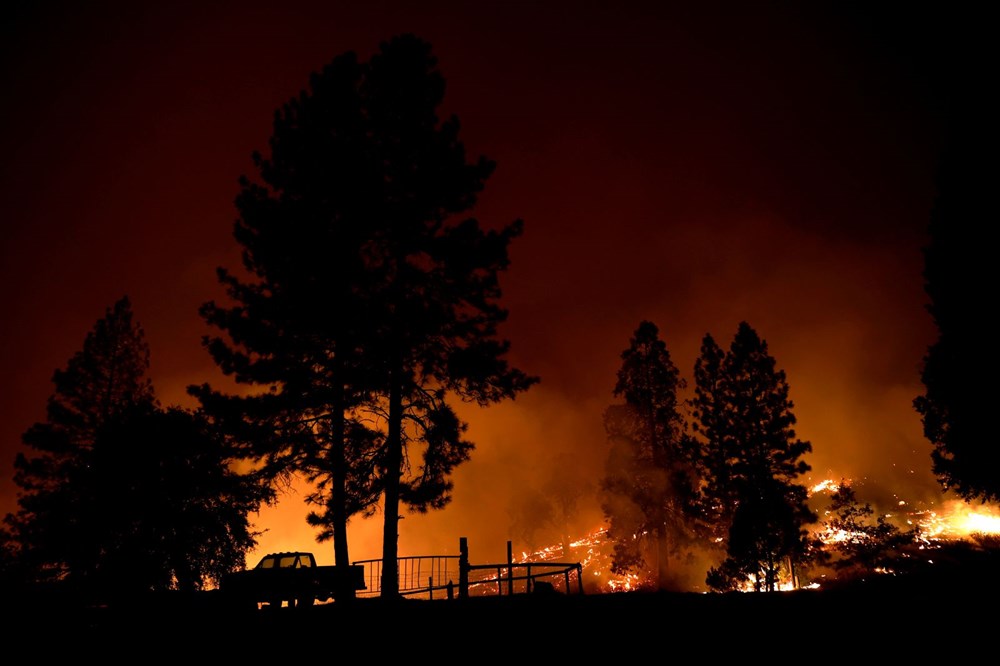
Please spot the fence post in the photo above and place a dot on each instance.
(510, 569)
(463, 568)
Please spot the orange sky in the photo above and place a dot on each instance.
(693, 167)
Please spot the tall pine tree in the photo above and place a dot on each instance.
(296, 331)
(437, 288)
(649, 477)
(752, 460)
(372, 304)
(709, 423)
(859, 543)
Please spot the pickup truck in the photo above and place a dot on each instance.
(291, 578)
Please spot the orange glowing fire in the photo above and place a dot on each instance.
(954, 521)
(958, 520)
(593, 553)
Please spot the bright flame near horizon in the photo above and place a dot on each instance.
(957, 520)
(827, 485)
(953, 520)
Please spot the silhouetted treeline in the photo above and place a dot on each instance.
(724, 476)
(118, 495)
(368, 302)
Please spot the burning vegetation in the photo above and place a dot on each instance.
(706, 491)
(853, 541)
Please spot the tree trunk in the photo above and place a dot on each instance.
(662, 559)
(393, 469)
(338, 468)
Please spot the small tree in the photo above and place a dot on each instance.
(166, 503)
(859, 542)
(566, 489)
(551, 507)
(530, 512)
(649, 475)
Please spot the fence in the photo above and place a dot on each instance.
(423, 576)
(434, 576)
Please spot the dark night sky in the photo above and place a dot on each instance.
(694, 165)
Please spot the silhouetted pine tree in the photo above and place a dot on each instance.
(118, 495)
(369, 301)
(438, 284)
(649, 476)
(709, 422)
(103, 381)
(297, 330)
(752, 460)
(956, 411)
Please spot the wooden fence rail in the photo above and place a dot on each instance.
(434, 575)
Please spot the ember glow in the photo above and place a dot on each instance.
(825, 486)
(954, 521)
(592, 551)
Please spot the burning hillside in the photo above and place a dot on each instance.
(928, 529)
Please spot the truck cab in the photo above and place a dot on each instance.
(291, 578)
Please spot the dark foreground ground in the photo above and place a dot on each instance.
(948, 618)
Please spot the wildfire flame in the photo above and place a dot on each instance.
(593, 553)
(956, 520)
